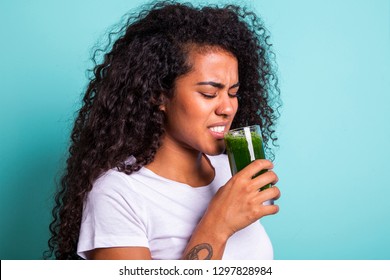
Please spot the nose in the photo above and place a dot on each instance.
(227, 106)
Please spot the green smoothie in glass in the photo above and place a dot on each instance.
(244, 145)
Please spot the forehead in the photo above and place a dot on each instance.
(212, 63)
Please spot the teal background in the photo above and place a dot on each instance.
(334, 133)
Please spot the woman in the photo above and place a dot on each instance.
(146, 177)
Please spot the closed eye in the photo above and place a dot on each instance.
(208, 95)
(234, 93)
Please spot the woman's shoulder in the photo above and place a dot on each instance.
(113, 181)
(109, 176)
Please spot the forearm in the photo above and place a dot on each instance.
(206, 242)
(235, 206)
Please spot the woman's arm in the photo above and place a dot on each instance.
(120, 253)
(234, 207)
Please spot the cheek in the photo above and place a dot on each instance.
(235, 107)
(192, 110)
(179, 115)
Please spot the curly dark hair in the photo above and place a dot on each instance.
(120, 113)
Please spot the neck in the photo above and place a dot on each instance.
(182, 165)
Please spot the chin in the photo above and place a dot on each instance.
(215, 152)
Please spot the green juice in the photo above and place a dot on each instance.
(239, 153)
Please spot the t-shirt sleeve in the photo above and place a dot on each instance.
(113, 216)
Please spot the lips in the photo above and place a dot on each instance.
(217, 130)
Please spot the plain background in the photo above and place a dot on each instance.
(334, 132)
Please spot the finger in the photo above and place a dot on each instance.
(270, 209)
(255, 167)
(279, 193)
(263, 210)
(268, 177)
(268, 194)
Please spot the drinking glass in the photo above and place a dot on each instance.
(244, 145)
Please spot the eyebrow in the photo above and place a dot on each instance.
(217, 85)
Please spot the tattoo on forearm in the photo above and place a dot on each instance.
(193, 254)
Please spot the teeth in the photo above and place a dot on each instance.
(218, 129)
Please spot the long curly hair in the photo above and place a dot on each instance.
(120, 114)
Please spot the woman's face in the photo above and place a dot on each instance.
(204, 103)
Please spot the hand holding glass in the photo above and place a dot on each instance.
(244, 145)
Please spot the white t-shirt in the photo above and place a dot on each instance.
(146, 210)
